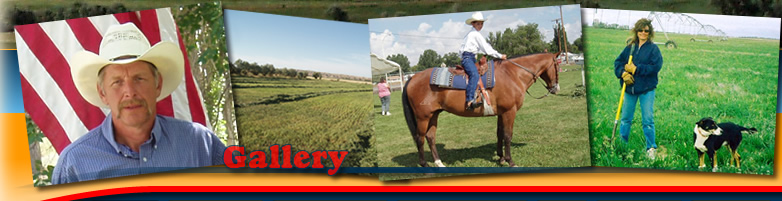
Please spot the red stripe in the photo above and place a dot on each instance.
(165, 106)
(196, 109)
(127, 17)
(86, 33)
(319, 189)
(151, 29)
(43, 117)
(150, 26)
(55, 64)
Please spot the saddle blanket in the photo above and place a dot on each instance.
(442, 77)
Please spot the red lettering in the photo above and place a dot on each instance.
(336, 160)
(228, 157)
(275, 152)
(317, 156)
(258, 159)
(299, 157)
(286, 156)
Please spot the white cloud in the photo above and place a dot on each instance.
(412, 43)
(423, 27)
(573, 31)
(447, 37)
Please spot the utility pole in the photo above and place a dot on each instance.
(564, 36)
(557, 26)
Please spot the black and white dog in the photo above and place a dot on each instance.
(710, 136)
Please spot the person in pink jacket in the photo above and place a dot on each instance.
(384, 92)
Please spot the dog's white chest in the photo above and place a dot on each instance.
(699, 139)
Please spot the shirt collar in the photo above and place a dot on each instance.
(107, 128)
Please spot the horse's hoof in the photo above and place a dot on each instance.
(514, 165)
(439, 163)
(503, 162)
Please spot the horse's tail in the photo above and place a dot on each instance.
(408, 110)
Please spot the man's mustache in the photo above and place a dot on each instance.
(132, 102)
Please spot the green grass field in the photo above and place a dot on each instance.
(731, 81)
(548, 132)
(330, 121)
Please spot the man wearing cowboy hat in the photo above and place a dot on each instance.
(129, 77)
(474, 43)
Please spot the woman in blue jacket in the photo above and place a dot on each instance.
(640, 75)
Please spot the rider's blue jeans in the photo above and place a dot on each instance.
(468, 62)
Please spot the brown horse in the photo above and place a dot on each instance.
(423, 102)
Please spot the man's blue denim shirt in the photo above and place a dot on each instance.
(173, 144)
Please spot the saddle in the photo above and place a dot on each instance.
(456, 78)
(482, 66)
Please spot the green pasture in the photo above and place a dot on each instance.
(731, 81)
(548, 132)
(338, 121)
(255, 90)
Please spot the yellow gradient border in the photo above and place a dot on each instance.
(17, 183)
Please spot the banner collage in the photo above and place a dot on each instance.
(231, 95)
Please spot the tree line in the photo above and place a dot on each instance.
(21, 16)
(245, 68)
(241, 67)
(524, 39)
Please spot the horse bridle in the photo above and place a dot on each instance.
(535, 77)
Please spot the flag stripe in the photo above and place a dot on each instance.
(168, 33)
(53, 129)
(102, 23)
(85, 32)
(195, 109)
(123, 18)
(152, 32)
(55, 64)
(67, 43)
(150, 26)
(40, 81)
(44, 50)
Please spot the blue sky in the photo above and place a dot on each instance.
(444, 32)
(300, 43)
(733, 26)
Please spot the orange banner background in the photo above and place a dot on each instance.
(17, 183)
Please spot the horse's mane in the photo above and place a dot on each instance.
(499, 61)
(517, 56)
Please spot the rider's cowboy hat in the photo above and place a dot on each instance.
(477, 16)
(122, 44)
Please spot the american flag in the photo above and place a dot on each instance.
(50, 96)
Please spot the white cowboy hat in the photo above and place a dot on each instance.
(126, 40)
(477, 16)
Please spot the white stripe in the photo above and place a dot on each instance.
(203, 106)
(63, 38)
(66, 42)
(168, 20)
(168, 32)
(40, 80)
(167, 25)
(103, 22)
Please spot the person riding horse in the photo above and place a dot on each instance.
(474, 43)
